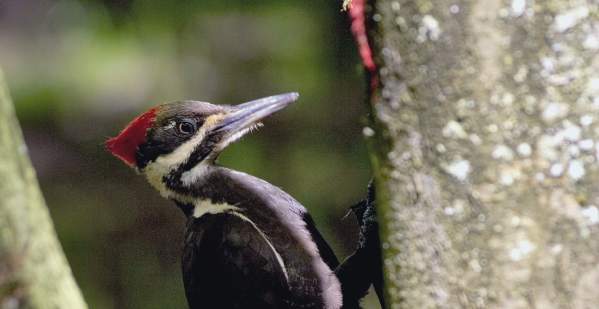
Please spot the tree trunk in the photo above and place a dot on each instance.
(34, 272)
(485, 142)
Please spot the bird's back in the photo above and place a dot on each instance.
(259, 244)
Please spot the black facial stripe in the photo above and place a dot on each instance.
(147, 152)
(162, 141)
(200, 152)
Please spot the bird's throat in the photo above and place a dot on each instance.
(174, 184)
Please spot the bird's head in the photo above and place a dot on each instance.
(174, 138)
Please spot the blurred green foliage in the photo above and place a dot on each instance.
(79, 70)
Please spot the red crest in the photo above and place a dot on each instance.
(126, 143)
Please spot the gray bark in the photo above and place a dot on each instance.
(34, 272)
(486, 151)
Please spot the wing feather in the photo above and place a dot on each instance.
(229, 263)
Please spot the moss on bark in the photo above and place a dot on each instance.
(486, 152)
(34, 272)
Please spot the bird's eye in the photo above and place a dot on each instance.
(186, 128)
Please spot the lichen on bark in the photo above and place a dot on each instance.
(34, 272)
(486, 147)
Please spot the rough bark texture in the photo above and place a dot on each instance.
(486, 145)
(34, 272)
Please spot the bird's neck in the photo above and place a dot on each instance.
(194, 190)
(180, 185)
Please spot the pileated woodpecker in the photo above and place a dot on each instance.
(248, 244)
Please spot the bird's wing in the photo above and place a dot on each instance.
(327, 254)
(229, 263)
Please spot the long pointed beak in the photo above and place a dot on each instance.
(246, 115)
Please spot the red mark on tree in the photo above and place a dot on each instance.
(357, 13)
(124, 146)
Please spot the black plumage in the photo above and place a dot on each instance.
(266, 222)
(227, 264)
(248, 244)
(364, 266)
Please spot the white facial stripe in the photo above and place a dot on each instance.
(181, 154)
(206, 207)
(165, 164)
(194, 174)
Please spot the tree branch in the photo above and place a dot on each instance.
(34, 272)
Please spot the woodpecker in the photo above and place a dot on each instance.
(248, 244)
